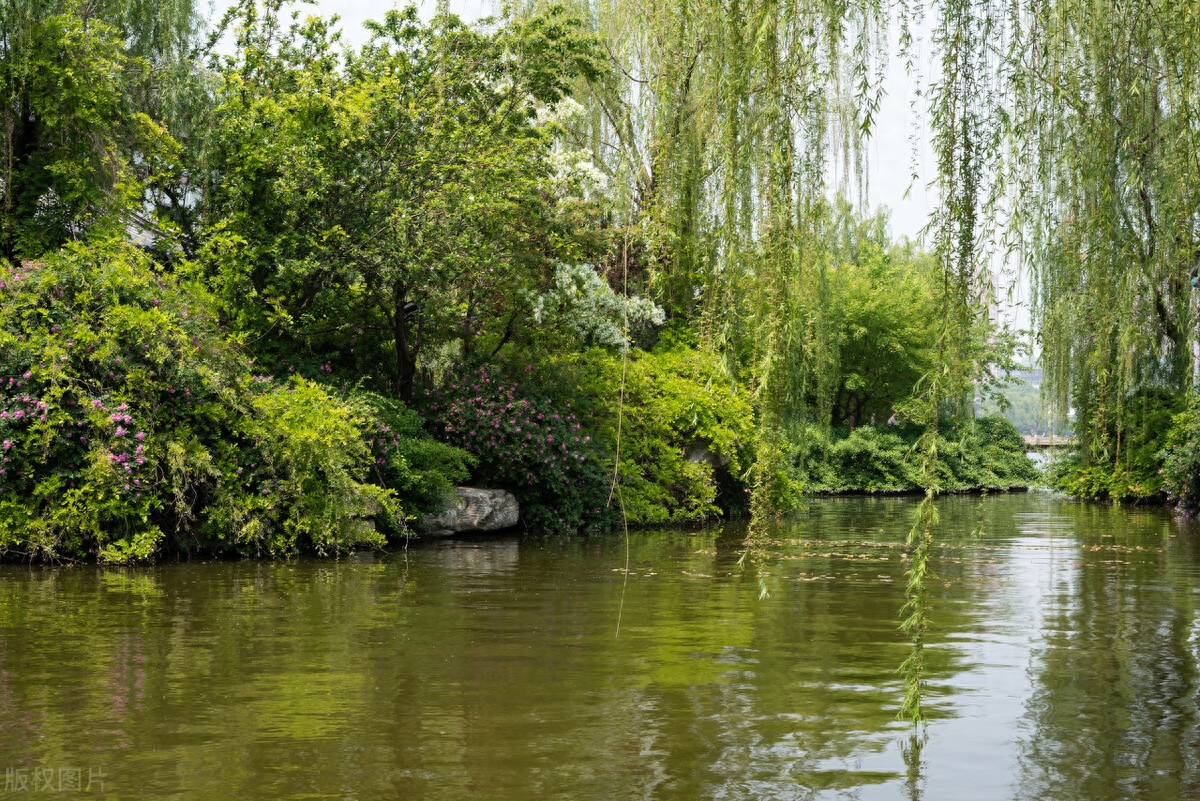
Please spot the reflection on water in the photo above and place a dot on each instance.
(1063, 665)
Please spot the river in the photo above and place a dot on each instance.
(1064, 665)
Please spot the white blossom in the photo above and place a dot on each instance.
(582, 302)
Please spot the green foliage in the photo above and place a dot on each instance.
(916, 608)
(1134, 469)
(684, 431)
(90, 93)
(868, 459)
(1110, 231)
(1181, 460)
(129, 426)
(533, 446)
(384, 203)
(1072, 475)
(408, 461)
(70, 130)
(987, 453)
(883, 317)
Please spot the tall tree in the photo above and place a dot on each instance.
(404, 192)
(82, 132)
(1105, 156)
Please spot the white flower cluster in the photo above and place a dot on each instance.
(576, 168)
(573, 168)
(583, 303)
(565, 111)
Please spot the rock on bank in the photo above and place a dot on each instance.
(471, 509)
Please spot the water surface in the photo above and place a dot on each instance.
(1063, 663)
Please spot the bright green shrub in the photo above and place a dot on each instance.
(873, 460)
(418, 468)
(1135, 470)
(1069, 474)
(128, 426)
(986, 453)
(685, 430)
(1181, 461)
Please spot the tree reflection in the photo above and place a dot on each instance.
(1114, 709)
(910, 748)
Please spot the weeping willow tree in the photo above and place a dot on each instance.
(1066, 131)
(724, 129)
(1105, 167)
(92, 92)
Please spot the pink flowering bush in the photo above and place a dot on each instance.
(535, 447)
(130, 428)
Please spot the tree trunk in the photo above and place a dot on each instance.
(406, 352)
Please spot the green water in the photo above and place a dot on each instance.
(1064, 666)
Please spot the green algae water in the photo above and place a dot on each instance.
(1063, 665)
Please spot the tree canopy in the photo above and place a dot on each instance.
(399, 196)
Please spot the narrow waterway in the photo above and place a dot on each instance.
(1064, 659)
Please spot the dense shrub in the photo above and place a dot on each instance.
(531, 445)
(686, 432)
(867, 459)
(407, 460)
(129, 425)
(987, 453)
(1181, 461)
(1135, 470)
(1119, 481)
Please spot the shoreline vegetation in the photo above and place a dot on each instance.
(263, 292)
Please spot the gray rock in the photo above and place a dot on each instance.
(699, 450)
(472, 509)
